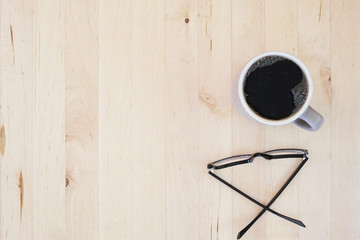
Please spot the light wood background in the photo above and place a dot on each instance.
(110, 111)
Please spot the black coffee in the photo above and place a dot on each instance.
(275, 87)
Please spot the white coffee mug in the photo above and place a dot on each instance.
(306, 117)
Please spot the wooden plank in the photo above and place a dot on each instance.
(16, 119)
(81, 120)
(247, 136)
(215, 112)
(115, 120)
(181, 74)
(281, 35)
(345, 111)
(49, 116)
(148, 132)
(315, 180)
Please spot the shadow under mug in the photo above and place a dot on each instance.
(306, 117)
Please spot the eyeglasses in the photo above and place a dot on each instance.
(249, 158)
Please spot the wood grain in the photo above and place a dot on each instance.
(345, 114)
(49, 120)
(215, 112)
(115, 120)
(110, 111)
(182, 119)
(148, 122)
(16, 120)
(81, 119)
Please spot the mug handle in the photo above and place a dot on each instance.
(310, 120)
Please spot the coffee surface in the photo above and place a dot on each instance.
(275, 87)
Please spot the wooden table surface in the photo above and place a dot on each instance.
(110, 111)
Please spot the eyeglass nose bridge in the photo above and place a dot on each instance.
(264, 155)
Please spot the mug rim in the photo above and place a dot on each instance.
(286, 120)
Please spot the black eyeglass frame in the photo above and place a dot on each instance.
(212, 166)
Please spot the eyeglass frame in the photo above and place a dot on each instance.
(267, 156)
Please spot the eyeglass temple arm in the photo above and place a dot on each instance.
(242, 232)
(298, 222)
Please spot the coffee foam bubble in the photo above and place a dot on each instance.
(263, 62)
(299, 93)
